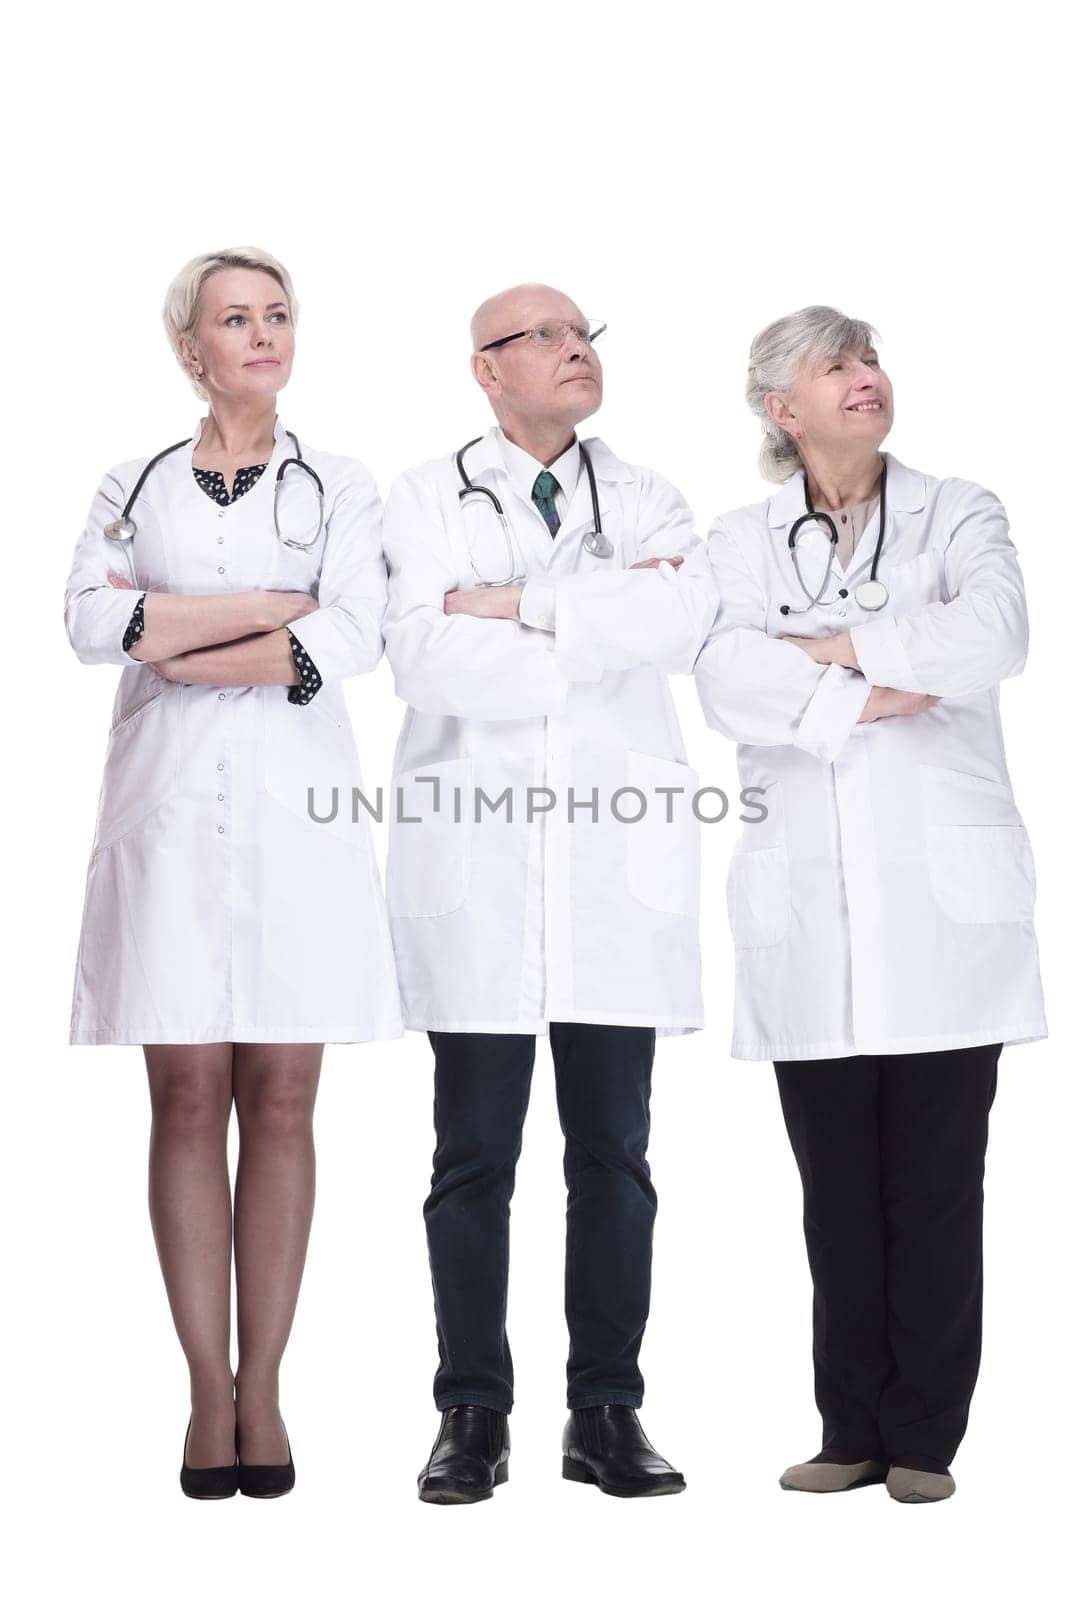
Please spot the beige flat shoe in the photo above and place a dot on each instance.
(826, 1477)
(914, 1488)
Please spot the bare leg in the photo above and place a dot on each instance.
(274, 1087)
(189, 1203)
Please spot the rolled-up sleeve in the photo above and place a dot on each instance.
(98, 616)
(979, 635)
(344, 636)
(763, 691)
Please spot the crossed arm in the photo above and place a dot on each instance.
(228, 639)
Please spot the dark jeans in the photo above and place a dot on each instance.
(891, 1151)
(481, 1091)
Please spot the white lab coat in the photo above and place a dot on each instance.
(503, 926)
(215, 908)
(885, 905)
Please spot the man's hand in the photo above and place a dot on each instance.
(117, 581)
(896, 703)
(499, 601)
(654, 561)
(836, 651)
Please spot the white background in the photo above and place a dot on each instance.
(687, 173)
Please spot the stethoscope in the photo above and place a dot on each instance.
(124, 527)
(869, 596)
(596, 541)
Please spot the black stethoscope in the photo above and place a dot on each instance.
(869, 596)
(595, 541)
(124, 527)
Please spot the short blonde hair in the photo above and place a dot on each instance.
(181, 308)
(774, 360)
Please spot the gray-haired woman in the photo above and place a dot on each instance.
(882, 909)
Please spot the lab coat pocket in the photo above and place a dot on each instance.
(980, 861)
(663, 847)
(757, 897)
(141, 767)
(310, 765)
(757, 882)
(910, 584)
(429, 862)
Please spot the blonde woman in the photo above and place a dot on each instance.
(233, 921)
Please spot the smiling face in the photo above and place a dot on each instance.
(535, 388)
(243, 340)
(837, 405)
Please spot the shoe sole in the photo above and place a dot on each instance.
(860, 1483)
(575, 1472)
(444, 1495)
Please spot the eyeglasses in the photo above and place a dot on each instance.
(551, 335)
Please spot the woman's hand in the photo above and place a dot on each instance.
(172, 670)
(896, 703)
(117, 581)
(836, 651)
(287, 606)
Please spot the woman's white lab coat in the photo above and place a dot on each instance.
(501, 926)
(215, 908)
(885, 905)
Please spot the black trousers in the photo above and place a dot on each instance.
(891, 1151)
(481, 1092)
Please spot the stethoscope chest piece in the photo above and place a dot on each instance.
(871, 596)
(121, 528)
(597, 544)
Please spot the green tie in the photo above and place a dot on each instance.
(544, 498)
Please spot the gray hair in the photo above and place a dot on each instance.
(181, 308)
(818, 333)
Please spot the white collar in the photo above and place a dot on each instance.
(524, 468)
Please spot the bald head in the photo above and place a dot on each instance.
(512, 310)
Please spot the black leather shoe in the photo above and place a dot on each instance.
(265, 1482)
(606, 1445)
(207, 1483)
(469, 1457)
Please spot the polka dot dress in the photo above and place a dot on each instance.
(214, 485)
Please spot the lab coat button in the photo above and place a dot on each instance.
(221, 539)
(222, 697)
(219, 767)
(222, 569)
(222, 797)
(221, 829)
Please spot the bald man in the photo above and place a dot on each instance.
(543, 867)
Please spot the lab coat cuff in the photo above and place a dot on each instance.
(100, 630)
(832, 713)
(537, 605)
(327, 643)
(881, 656)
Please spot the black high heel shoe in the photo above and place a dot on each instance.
(208, 1483)
(265, 1482)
